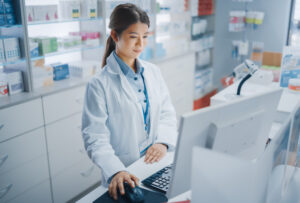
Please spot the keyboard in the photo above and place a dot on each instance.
(160, 180)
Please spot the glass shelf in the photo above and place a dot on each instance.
(11, 26)
(64, 21)
(13, 62)
(66, 51)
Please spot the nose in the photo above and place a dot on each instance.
(140, 42)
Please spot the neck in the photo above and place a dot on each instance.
(129, 61)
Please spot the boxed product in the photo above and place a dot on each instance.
(2, 52)
(42, 76)
(11, 47)
(2, 20)
(89, 8)
(10, 19)
(46, 44)
(60, 71)
(34, 49)
(69, 9)
(83, 69)
(30, 13)
(88, 38)
(68, 42)
(45, 12)
(203, 82)
(14, 81)
(3, 85)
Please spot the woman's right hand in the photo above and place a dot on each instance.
(117, 182)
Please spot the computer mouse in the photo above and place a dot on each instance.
(133, 195)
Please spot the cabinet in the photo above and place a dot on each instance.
(24, 166)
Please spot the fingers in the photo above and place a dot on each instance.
(114, 190)
(121, 186)
(129, 181)
(135, 179)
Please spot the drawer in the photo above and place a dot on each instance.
(21, 179)
(63, 104)
(65, 143)
(37, 194)
(22, 149)
(14, 120)
(74, 181)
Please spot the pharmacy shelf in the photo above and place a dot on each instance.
(66, 51)
(11, 26)
(64, 21)
(13, 62)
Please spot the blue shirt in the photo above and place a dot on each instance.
(137, 82)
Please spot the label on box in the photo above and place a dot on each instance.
(3, 89)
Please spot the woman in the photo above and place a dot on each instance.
(128, 111)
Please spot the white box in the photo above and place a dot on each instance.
(15, 82)
(89, 8)
(69, 9)
(2, 52)
(12, 49)
(45, 13)
(3, 85)
(84, 69)
(30, 13)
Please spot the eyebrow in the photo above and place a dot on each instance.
(137, 33)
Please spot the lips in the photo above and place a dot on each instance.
(137, 51)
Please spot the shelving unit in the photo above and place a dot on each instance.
(202, 35)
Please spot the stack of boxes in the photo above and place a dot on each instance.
(42, 13)
(7, 16)
(203, 82)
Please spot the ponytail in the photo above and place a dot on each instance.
(110, 46)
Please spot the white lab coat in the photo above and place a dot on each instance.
(113, 118)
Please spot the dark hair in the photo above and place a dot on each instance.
(121, 18)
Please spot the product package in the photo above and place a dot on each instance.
(89, 8)
(290, 65)
(2, 52)
(44, 13)
(46, 44)
(3, 85)
(7, 16)
(69, 42)
(60, 71)
(203, 82)
(69, 9)
(34, 49)
(11, 47)
(237, 21)
(83, 69)
(42, 76)
(14, 81)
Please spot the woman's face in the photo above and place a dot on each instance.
(132, 40)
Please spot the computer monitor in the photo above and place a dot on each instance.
(240, 127)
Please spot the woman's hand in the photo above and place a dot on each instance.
(118, 182)
(155, 153)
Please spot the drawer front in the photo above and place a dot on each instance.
(63, 104)
(37, 194)
(74, 181)
(65, 143)
(21, 179)
(14, 120)
(22, 149)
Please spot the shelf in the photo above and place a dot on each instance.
(66, 51)
(13, 62)
(11, 26)
(64, 21)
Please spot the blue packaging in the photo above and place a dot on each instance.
(2, 20)
(60, 71)
(10, 19)
(1, 8)
(8, 7)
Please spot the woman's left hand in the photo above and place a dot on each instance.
(155, 153)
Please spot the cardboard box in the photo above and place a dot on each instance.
(272, 59)
(42, 76)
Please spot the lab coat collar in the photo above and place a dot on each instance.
(114, 68)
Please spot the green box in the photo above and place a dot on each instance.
(47, 44)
